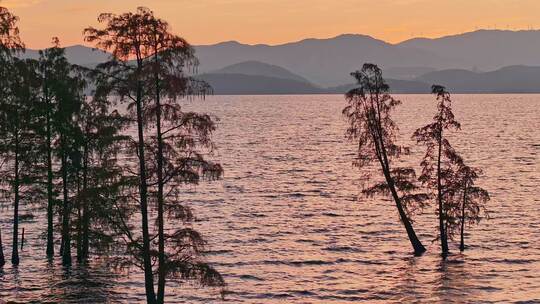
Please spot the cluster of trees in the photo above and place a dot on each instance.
(74, 155)
(446, 179)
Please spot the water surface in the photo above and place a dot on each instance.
(287, 225)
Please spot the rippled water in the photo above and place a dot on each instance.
(286, 224)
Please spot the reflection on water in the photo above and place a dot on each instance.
(53, 283)
(286, 224)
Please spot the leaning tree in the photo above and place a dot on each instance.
(374, 132)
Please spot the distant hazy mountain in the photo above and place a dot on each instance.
(407, 73)
(322, 61)
(512, 79)
(329, 61)
(260, 69)
(484, 49)
(76, 54)
(240, 84)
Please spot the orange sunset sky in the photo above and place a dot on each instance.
(279, 21)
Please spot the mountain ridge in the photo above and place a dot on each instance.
(327, 62)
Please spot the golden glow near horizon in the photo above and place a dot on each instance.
(279, 21)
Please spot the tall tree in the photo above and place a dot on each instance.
(18, 143)
(170, 55)
(374, 132)
(51, 63)
(123, 35)
(10, 43)
(63, 91)
(100, 173)
(152, 82)
(438, 165)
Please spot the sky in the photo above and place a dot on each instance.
(279, 21)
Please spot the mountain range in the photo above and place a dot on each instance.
(481, 61)
(512, 79)
(328, 62)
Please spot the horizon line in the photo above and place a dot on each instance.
(333, 37)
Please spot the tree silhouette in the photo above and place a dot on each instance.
(178, 137)
(372, 129)
(146, 71)
(468, 200)
(10, 43)
(18, 143)
(474, 200)
(439, 161)
(123, 36)
(52, 63)
(100, 174)
(63, 87)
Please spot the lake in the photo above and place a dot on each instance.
(287, 224)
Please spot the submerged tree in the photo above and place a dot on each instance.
(471, 199)
(438, 165)
(374, 132)
(51, 66)
(10, 43)
(179, 139)
(62, 87)
(147, 72)
(17, 144)
(123, 36)
(100, 178)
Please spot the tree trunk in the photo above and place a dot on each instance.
(15, 240)
(50, 237)
(462, 243)
(160, 198)
(143, 189)
(418, 248)
(85, 213)
(442, 229)
(413, 238)
(79, 235)
(79, 220)
(2, 258)
(66, 237)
